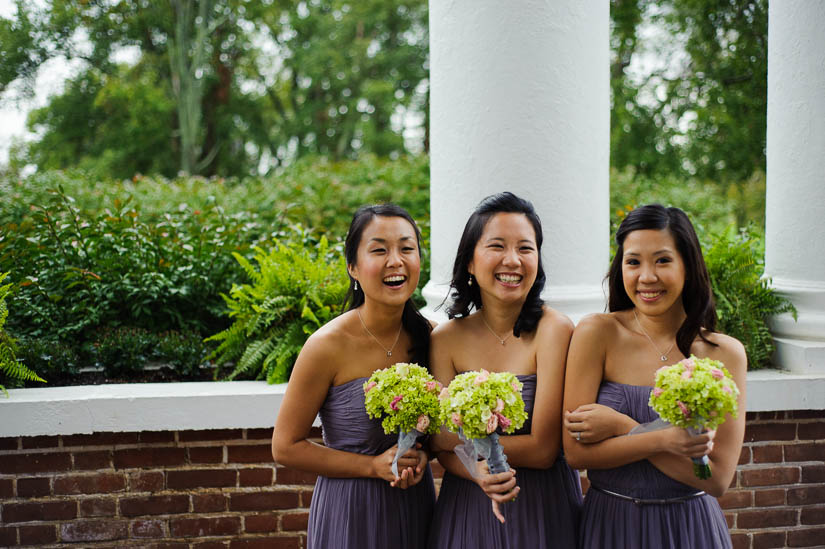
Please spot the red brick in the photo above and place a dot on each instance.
(40, 442)
(804, 452)
(47, 510)
(149, 457)
(730, 518)
(306, 498)
(97, 483)
(291, 476)
(736, 499)
(93, 460)
(34, 463)
(149, 481)
(813, 515)
(156, 437)
(211, 545)
(295, 521)
(33, 487)
(812, 431)
(813, 473)
(98, 507)
(200, 527)
(259, 434)
(807, 495)
(761, 432)
(772, 476)
(148, 528)
(808, 414)
(261, 523)
(767, 454)
(741, 541)
(205, 454)
(210, 435)
(201, 478)
(766, 518)
(269, 542)
(255, 477)
(263, 501)
(8, 536)
(250, 454)
(809, 537)
(154, 505)
(98, 530)
(9, 443)
(6, 488)
(38, 535)
(768, 540)
(100, 439)
(208, 503)
(769, 498)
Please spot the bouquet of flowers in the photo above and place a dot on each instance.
(406, 396)
(696, 394)
(478, 404)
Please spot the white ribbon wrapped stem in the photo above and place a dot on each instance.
(406, 440)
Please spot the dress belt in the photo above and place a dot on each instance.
(648, 501)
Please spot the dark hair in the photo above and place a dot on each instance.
(697, 297)
(464, 295)
(413, 322)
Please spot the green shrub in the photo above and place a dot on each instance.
(296, 288)
(184, 351)
(57, 360)
(744, 300)
(11, 369)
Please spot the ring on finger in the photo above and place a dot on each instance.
(578, 435)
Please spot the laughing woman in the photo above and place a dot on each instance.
(499, 322)
(643, 491)
(358, 503)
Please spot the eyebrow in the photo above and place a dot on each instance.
(502, 239)
(384, 240)
(657, 252)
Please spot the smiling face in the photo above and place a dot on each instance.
(505, 259)
(653, 272)
(388, 263)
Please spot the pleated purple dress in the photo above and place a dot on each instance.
(609, 522)
(364, 513)
(545, 514)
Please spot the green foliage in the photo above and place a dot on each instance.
(59, 361)
(123, 350)
(295, 289)
(744, 300)
(9, 366)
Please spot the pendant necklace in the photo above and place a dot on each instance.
(663, 356)
(500, 340)
(388, 351)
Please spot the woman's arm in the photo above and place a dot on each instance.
(727, 444)
(308, 385)
(585, 370)
(540, 448)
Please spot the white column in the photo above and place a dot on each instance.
(520, 102)
(795, 212)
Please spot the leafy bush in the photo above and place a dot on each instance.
(744, 300)
(9, 366)
(296, 288)
(57, 360)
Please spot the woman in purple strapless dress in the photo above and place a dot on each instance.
(499, 323)
(643, 491)
(358, 503)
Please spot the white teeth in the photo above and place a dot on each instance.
(395, 278)
(650, 295)
(509, 278)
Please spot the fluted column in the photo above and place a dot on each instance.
(520, 101)
(795, 202)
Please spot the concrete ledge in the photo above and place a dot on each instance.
(254, 404)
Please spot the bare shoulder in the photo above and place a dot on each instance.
(596, 325)
(447, 330)
(322, 349)
(554, 323)
(727, 349)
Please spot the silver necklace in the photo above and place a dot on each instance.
(388, 351)
(500, 340)
(663, 356)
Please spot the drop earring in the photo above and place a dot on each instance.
(356, 286)
(470, 280)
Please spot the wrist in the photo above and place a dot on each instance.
(625, 425)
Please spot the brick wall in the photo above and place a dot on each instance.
(205, 489)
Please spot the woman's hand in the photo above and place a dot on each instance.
(591, 423)
(681, 443)
(412, 475)
(500, 488)
(382, 466)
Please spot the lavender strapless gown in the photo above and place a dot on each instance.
(545, 514)
(612, 523)
(364, 513)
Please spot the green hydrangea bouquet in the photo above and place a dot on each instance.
(406, 396)
(696, 394)
(477, 405)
